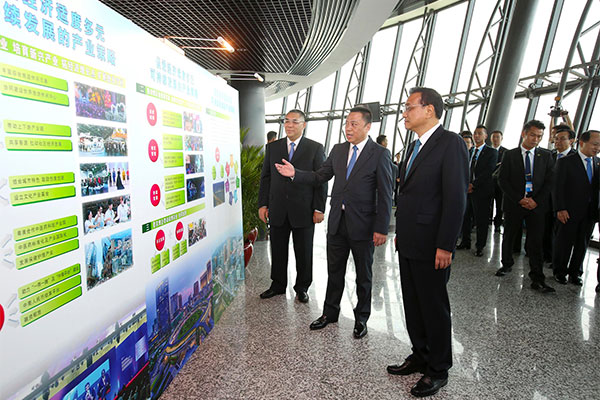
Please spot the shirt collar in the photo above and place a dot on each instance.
(523, 150)
(583, 156)
(360, 145)
(425, 137)
(564, 153)
(296, 142)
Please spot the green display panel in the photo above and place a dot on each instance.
(44, 241)
(165, 96)
(217, 114)
(183, 247)
(25, 181)
(173, 159)
(155, 263)
(49, 294)
(47, 281)
(37, 144)
(172, 119)
(36, 78)
(165, 258)
(174, 199)
(35, 257)
(173, 182)
(172, 142)
(50, 306)
(36, 128)
(28, 231)
(36, 196)
(148, 226)
(175, 251)
(33, 93)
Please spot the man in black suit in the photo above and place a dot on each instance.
(291, 208)
(525, 178)
(480, 190)
(575, 200)
(431, 202)
(361, 204)
(496, 139)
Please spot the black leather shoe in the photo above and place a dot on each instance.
(598, 288)
(577, 281)
(428, 386)
(321, 322)
(560, 279)
(478, 253)
(503, 271)
(463, 246)
(360, 329)
(302, 297)
(406, 368)
(542, 287)
(267, 294)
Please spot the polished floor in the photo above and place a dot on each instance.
(509, 342)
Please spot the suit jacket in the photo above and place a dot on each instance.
(555, 154)
(483, 184)
(572, 191)
(511, 179)
(284, 198)
(432, 197)
(500, 151)
(366, 194)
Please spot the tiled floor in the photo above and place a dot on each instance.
(509, 342)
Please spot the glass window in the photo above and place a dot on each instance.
(569, 18)
(317, 131)
(536, 40)
(322, 92)
(273, 106)
(380, 60)
(410, 33)
(344, 79)
(514, 124)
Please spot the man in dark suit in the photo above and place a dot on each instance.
(291, 208)
(525, 178)
(480, 190)
(575, 200)
(431, 202)
(361, 204)
(496, 139)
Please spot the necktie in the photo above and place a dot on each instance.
(352, 161)
(559, 156)
(528, 177)
(291, 151)
(413, 156)
(473, 163)
(590, 171)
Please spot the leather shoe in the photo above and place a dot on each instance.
(463, 246)
(267, 294)
(560, 279)
(427, 386)
(598, 288)
(542, 287)
(321, 322)
(360, 329)
(503, 271)
(302, 297)
(576, 280)
(478, 253)
(406, 368)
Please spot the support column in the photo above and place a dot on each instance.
(252, 110)
(510, 64)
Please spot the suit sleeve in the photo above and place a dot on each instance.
(318, 177)
(485, 177)
(541, 196)
(559, 201)
(455, 181)
(385, 188)
(265, 180)
(319, 191)
(504, 176)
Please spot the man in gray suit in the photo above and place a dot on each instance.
(361, 202)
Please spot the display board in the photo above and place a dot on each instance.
(120, 202)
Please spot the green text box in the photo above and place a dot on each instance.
(47, 281)
(36, 196)
(174, 199)
(28, 231)
(183, 247)
(25, 181)
(46, 254)
(175, 250)
(173, 160)
(166, 96)
(148, 226)
(50, 306)
(44, 241)
(26, 75)
(155, 263)
(32, 93)
(217, 114)
(172, 119)
(172, 142)
(37, 144)
(164, 258)
(36, 128)
(173, 182)
(49, 294)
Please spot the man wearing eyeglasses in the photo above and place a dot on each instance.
(432, 197)
(361, 204)
(291, 208)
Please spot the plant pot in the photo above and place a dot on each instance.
(248, 250)
(252, 235)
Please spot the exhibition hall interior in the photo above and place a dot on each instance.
(300, 199)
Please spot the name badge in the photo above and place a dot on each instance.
(528, 187)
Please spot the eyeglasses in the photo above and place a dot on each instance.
(293, 121)
(408, 107)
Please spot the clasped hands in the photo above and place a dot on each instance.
(527, 203)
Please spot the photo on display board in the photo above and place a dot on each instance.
(193, 143)
(194, 163)
(192, 122)
(102, 141)
(194, 188)
(218, 193)
(108, 257)
(97, 103)
(103, 178)
(196, 231)
(105, 213)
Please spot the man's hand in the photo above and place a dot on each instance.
(379, 238)
(562, 216)
(470, 188)
(263, 214)
(286, 169)
(528, 203)
(318, 217)
(443, 259)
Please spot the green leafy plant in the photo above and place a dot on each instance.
(251, 160)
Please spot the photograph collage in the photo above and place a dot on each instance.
(194, 158)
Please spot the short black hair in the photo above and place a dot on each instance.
(585, 136)
(466, 134)
(500, 132)
(481, 126)
(565, 128)
(561, 127)
(380, 139)
(366, 114)
(297, 112)
(271, 135)
(430, 97)
(534, 123)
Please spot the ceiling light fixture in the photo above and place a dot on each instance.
(225, 46)
(242, 76)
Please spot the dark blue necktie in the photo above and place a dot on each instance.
(590, 171)
(291, 151)
(527, 167)
(413, 156)
(559, 156)
(352, 161)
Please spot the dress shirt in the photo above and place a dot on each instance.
(583, 157)
(425, 137)
(564, 153)
(296, 143)
(531, 158)
(360, 146)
